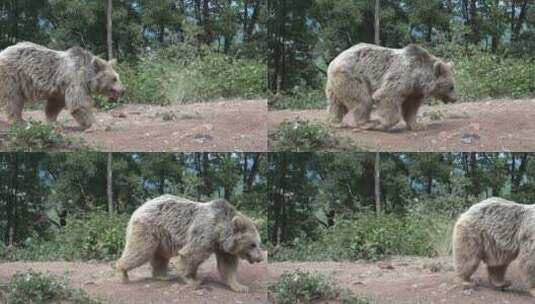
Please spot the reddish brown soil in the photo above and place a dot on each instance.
(220, 126)
(104, 284)
(402, 280)
(497, 125)
(410, 281)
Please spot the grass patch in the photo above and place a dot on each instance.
(306, 287)
(37, 136)
(303, 135)
(36, 287)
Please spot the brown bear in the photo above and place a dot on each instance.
(394, 81)
(30, 72)
(496, 232)
(169, 226)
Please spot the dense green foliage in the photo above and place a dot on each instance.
(167, 80)
(490, 42)
(92, 236)
(366, 235)
(51, 204)
(322, 206)
(306, 287)
(36, 287)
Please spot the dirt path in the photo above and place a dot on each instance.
(103, 283)
(497, 125)
(220, 126)
(411, 281)
(402, 280)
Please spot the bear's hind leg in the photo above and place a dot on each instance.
(348, 91)
(139, 249)
(466, 255)
(497, 276)
(227, 265)
(53, 107)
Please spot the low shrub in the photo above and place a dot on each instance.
(36, 287)
(306, 287)
(302, 135)
(37, 136)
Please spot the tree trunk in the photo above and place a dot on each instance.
(377, 183)
(476, 182)
(109, 30)
(109, 185)
(377, 28)
(520, 21)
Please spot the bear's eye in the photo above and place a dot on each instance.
(253, 245)
(452, 87)
(114, 79)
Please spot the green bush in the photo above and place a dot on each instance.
(480, 74)
(94, 236)
(35, 287)
(365, 236)
(306, 287)
(302, 135)
(37, 136)
(162, 78)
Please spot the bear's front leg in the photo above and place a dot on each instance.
(189, 261)
(497, 276)
(14, 110)
(388, 115)
(227, 265)
(84, 117)
(409, 111)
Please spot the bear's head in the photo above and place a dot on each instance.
(444, 88)
(244, 240)
(106, 81)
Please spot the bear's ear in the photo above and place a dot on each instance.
(99, 64)
(113, 62)
(451, 65)
(239, 224)
(439, 68)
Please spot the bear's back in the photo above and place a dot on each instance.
(499, 218)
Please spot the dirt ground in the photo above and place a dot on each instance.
(495, 125)
(219, 126)
(409, 280)
(104, 284)
(401, 280)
